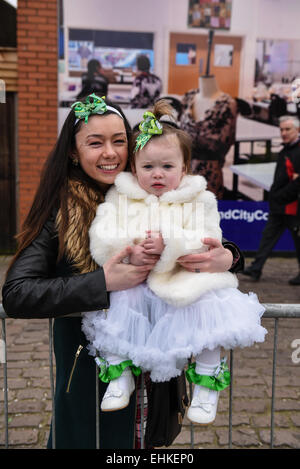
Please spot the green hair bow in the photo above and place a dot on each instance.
(149, 126)
(93, 105)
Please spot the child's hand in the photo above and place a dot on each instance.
(154, 243)
(137, 255)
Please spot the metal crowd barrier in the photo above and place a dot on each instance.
(273, 311)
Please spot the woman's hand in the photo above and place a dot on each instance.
(216, 259)
(120, 276)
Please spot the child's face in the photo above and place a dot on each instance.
(159, 166)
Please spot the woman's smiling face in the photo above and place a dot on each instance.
(102, 147)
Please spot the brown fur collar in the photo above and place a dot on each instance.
(82, 205)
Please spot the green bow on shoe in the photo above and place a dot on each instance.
(219, 381)
(110, 372)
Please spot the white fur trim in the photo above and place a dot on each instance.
(189, 188)
(181, 287)
(126, 183)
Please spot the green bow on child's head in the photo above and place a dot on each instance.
(148, 127)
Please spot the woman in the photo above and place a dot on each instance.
(93, 81)
(146, 86)
(53, 275)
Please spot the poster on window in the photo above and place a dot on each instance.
(80, 52)
(185, 54)
(223, 55)
(119, 57)
(212, 14)
(117, 51)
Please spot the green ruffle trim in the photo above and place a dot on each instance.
(219, 381)
(110, 372)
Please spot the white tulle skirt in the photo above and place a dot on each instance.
(160, 338)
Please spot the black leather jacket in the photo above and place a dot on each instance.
(37, 287)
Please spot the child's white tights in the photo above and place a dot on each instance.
(125, 380)
(205, 400)
(113, 359)
(204, 403)
(119, 390)
(207, 361)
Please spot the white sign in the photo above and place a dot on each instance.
(223, 55)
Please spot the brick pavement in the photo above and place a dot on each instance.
(30, 398)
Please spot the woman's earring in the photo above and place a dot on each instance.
(75, 161)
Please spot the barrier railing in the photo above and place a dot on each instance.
(272, 311)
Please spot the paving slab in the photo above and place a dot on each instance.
(29, 396)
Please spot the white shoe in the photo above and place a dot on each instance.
(118, 392)
(204, 405)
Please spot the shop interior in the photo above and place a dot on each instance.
(199, 49)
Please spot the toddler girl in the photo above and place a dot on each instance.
(160, 209)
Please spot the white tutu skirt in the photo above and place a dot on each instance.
(160, 338)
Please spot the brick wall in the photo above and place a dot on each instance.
(37, 30)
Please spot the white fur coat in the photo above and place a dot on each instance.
(184, 217)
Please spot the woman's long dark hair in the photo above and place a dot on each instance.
(52, 192)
